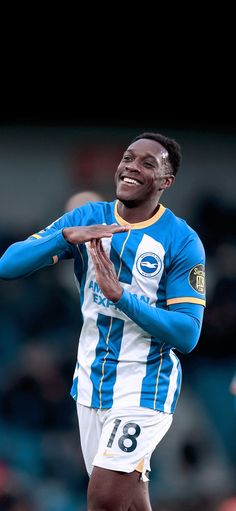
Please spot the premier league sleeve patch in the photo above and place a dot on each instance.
(197, 278)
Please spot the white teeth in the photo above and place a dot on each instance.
(132, 181)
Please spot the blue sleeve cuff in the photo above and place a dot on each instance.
(123, 301)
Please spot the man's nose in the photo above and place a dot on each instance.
(132, 167)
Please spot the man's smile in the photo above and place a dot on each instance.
(130, 180)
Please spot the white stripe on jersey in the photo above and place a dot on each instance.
(133, 348)
(140, 283)
(86, 355)
(173, 382)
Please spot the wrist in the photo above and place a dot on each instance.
(117, 295)
(64, 233)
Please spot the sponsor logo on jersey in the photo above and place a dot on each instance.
(100, 299)
(149, 264)
(197, 278)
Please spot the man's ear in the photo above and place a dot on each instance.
(167, 182)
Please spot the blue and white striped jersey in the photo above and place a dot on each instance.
(161, 262)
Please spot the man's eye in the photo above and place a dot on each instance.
(126, 158)
(149, 164)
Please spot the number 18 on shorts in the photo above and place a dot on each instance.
(121, 439)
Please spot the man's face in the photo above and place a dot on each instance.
(139, 175)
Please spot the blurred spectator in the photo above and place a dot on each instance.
(228, 505)
(80, 198)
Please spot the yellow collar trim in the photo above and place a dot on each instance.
(140, 225)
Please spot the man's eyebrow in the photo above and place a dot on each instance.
(146, 155)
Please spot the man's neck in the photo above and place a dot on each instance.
(136, 213)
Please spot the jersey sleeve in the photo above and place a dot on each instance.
(37, 251)
(68, 220)
(179, 327)
(186, 275)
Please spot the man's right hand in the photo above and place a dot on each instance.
(81, 234)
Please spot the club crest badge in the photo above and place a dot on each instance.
(149, 264)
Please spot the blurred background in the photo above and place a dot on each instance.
(42, 165)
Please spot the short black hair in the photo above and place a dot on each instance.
(172, 147)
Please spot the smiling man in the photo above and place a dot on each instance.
(140, 270)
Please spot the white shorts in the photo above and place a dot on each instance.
(121, 439)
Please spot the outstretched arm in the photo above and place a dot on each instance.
(179, 327)
(24, 257)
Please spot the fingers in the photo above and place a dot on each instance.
(94, 254)
(120, 228)
(99, 255)
(101, 252)
(98, 251)
(107, 231)
(115, 228)
(81, 234)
